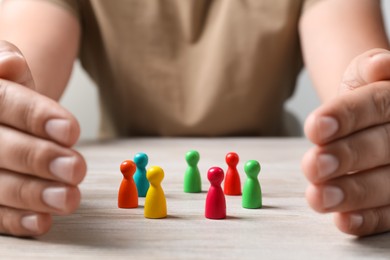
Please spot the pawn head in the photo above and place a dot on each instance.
(128, 168)
(252, 168)
(232, 159)
(192, 157)
(155, 175)
(141, 160)
(215, 175)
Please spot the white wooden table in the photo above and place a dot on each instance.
(285, 228)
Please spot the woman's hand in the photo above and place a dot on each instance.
(39, 172)
(349, 167)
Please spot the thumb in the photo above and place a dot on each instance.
(371, 66)
(13, 65)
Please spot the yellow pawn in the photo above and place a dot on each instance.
(155, 203)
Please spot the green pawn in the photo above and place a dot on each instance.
(251, 195)
(192, 181)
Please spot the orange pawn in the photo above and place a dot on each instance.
(128, 194)
(232, 185)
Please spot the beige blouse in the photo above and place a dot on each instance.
(191, 68)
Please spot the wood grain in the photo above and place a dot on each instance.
(285, 228)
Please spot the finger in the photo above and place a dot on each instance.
(349, 154)
(346, 114)
(13, 65)
(26, 110)
(39, 157)
(363, 190)
(366, 68)
(29, 193)
(23, 223)
(363, 223)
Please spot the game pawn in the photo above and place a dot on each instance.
(251, 196)
(232, 184)
(128, 195)
(215, 200)
(192, 180)
(155, 203)
(141, 160)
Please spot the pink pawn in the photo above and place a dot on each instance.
(232, 185)
(128, 194)
(215, 201)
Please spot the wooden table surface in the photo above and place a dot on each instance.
(285, 228)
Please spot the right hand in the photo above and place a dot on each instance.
(39, 172)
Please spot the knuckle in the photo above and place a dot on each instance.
(387, 194)
(39, 154)
(350, 116)
(352, 78)
(24, 193)
(350, 154)
(386, 130)
(381, 101)
(376, 220)
(28, 158)
(359, 191)
(4, 228)
(30, 116)
(350, 84)
(20, 191)
(35, 156)
(4, 87)
(8, 225)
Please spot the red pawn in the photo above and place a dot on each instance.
(128, 194)
(215, 201)
(232, 185)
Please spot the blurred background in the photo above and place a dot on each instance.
(81, 96)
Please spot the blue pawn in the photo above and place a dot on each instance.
(141, 160)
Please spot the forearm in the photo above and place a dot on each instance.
(48, 37)
(333, 32)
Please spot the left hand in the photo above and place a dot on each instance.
(349, 167)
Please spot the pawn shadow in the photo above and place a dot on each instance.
(174, 217)
(269, 207)
(230, 217)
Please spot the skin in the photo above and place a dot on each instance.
(351, 128)
(30, 86)
(348, 168)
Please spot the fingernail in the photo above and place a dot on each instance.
(58, 129)
(63, 168)
(355, 221)
(327, 127)
(332, 196)
(6, 54)
(381, 54)
(30, 223)
(55, 197)
(326, 165)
